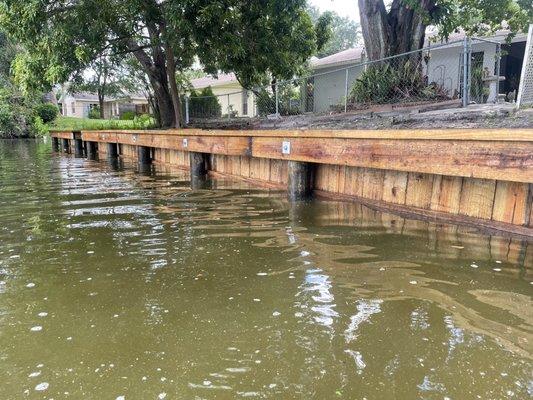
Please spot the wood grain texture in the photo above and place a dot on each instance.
(419, 190)
(443, 154)
(465, 134)
(395, 187)
(446, 195)
(511, 161)
(477, 198)
(510, 203)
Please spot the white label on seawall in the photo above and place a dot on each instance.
(185, 142)
(286, 148)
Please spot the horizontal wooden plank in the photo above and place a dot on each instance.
(62, 134)
(490, 160)
(486, 159)
(513, 135)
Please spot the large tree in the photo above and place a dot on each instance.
(250, 38)
(103, 77)
(400, 26)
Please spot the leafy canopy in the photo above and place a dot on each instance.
(250, 38)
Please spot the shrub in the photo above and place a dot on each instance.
(204, 104)
(289, 100)
(127, 116)
(39, 127)
(47, 112)
(144, 121)
(94, 113)
(387, 83)
(17, 113)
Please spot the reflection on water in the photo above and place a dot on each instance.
(118, 283)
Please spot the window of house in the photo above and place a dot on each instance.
(73, 107)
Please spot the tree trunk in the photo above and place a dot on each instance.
(171, 72)
(375, 28)
(398, 31)
(101, 103)
(156, 71)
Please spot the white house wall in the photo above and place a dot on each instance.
(444, 66)
(330, 84)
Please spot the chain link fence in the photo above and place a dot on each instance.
(460, 72)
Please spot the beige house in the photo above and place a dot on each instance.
(231, 96)
(78, 105)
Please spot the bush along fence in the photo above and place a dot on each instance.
(460, 72)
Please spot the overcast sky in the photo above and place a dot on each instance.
(345, 8)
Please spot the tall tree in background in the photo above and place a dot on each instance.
(344, 33)
(252, 39)
(400, 27)
(103, 77)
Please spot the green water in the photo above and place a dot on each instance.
(118, 284)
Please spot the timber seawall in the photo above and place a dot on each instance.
(476, 177)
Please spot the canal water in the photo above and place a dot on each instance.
(116, 284)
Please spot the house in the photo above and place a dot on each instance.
(78, 105)
(231, 96)
(330, 75)
(334, 74)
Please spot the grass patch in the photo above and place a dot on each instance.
(77, 124)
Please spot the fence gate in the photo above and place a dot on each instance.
(525, 89)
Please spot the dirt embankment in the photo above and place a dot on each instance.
(475, 116)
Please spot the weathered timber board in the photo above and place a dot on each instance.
(512, 135)
(63, 135)
(511, 161)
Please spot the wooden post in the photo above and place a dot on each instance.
(300, 183)
(66, 146)
(144, 155)
(92, 150)
(112, 151)
(55, 144)
(199, 163)
(78, 147)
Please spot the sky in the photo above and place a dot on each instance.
(345, 8)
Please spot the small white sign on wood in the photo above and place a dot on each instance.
(286, 148)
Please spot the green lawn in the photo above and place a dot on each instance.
(70, 123)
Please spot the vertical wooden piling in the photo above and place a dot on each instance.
(78, 147)
(300, 185)
(199, 167)
(92, 150)
(66, 145)
(144, 155)
(112, 151)
(198, 164)
(55, 144)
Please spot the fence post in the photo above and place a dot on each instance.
(277, 99)
(346, 93)
(466, 72)
(186, 110)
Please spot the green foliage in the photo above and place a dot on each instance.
(289, 100)
(71, 123)
(385, 83)
(127, 116)
(204, 104)
(40, 128)
(17, 115)
(334, 33)
(47, 112)
(94, 113)
(253, 39)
